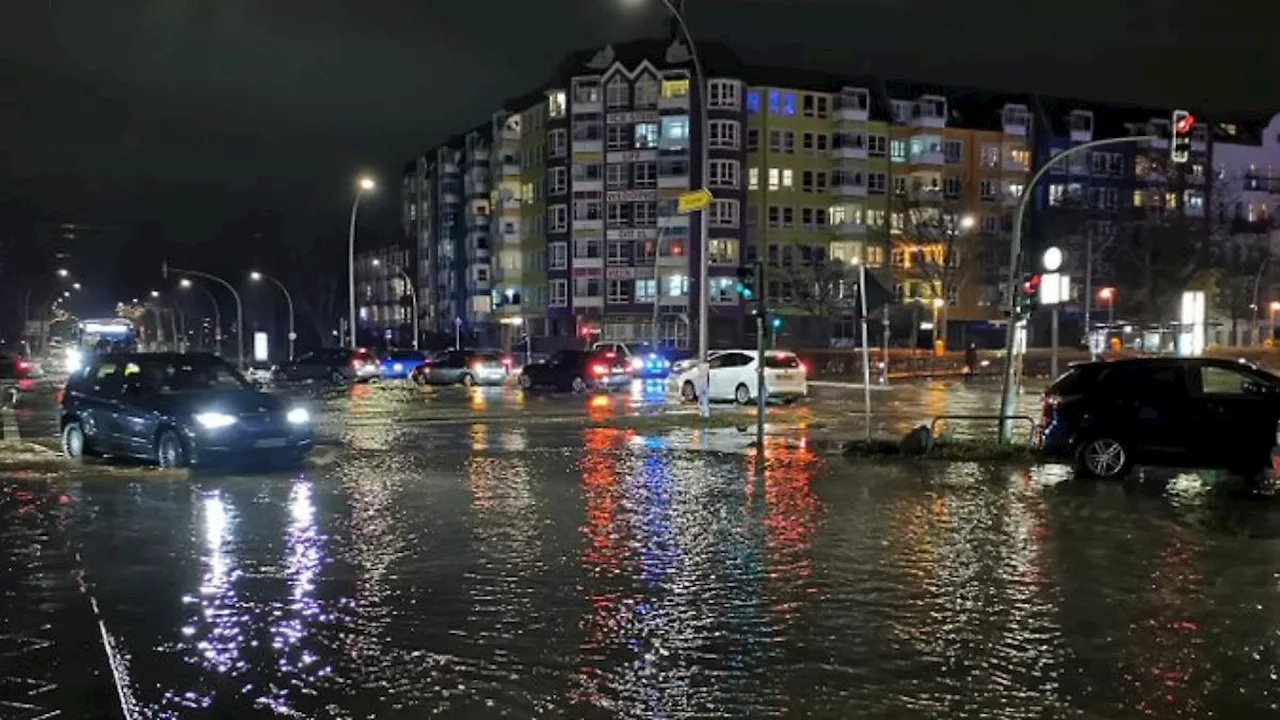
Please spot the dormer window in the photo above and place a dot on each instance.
(1080, 121)
(617, 93)
(1016, 115)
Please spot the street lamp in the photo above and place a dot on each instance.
(186, 284)
(413, 297)
(288, 299)
(75, 286)
(967, 222)
(155, 293)
(365, 184)
(166, 268)
(63, 272)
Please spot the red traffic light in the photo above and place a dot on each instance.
(1183, 122)
(1031, 285)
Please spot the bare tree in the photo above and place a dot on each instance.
(821, 288)
(927, 232)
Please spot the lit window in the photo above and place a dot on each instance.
(586, 91)
(774, 181)
(753, 102)
(675, 285)
(753, 178)
(675, 89)
(646, 135)
(788, 177)
(555, 104)
(1139, 199)
(775, 102)
(675, 132)
(789, 103)
(646, 289)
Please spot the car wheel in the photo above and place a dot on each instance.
(688, 392)
(1104, 458)
(578, 385)
(468, 381)
(170, 452)
(742, 394)
(526, 382)
(74, 444)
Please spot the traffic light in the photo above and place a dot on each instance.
(775, 323)
(1030, 296)
(1180, 146)
(747, 283)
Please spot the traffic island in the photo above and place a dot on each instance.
(919, 444)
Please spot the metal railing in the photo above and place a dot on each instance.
(1031, 423)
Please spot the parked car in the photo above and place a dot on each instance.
(578, 370)
(1184, 412)
(733, 377)
(462, 367)
(646, 361)
(400, 364)
(176, 409)
(338, 365)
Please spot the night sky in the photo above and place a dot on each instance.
(195, 112)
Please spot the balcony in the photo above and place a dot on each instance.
(850, 228)
(673, 181)
(510, 134)
(849, 153)
(848, 189)
(588, 145)
(480, 155)
(847, 112)
(928, 158)
(510, 169)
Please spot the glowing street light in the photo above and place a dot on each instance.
(63, 272)
(75, 286)
(256, 276)
(184, 283)
(967, 222)
(365, 184)
(155, 293)
(1109, 294)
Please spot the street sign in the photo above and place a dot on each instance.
(693, 201)
(1054, 289)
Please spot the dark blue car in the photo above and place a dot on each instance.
(177, 409)
(399, 364)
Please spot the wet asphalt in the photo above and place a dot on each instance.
(478, 554)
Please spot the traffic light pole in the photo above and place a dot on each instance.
(1009, 389)
(761, 397)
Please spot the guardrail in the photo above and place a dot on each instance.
(1031, 422)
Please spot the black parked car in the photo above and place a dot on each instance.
(578, 370)
(462, 367)
(1185, 412)
(338, 365)
(176, 409)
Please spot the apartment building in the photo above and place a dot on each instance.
(383, 309)
(578, 237)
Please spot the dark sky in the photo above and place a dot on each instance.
(194, 112)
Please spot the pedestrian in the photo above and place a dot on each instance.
(970, 361)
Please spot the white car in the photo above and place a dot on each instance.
(733, 376)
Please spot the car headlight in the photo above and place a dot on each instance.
(637, 364)
(215, 420)
(74, 359)
(298, 416)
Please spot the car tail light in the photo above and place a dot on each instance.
(804, 369)
(24, 365)
(477, 366)
(355, 364)
(60, 397)
(600, 369)
(1046, 408)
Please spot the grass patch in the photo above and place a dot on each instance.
(953, 451)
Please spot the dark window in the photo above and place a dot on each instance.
(1144, 380)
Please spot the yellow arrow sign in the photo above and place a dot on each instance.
(693, 201)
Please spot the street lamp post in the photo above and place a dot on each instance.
(61, 273)
(1109, 294)
(413, 297)
(186, 284)
(1009, 390)
(675, 8)
(288, 300)
(365, 184)
(166, 268)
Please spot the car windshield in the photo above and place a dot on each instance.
(643, 349)
(179, 376)
(781, 361)
(405, 355)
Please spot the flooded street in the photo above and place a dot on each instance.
(560, 570)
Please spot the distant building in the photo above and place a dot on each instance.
(383, 309)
